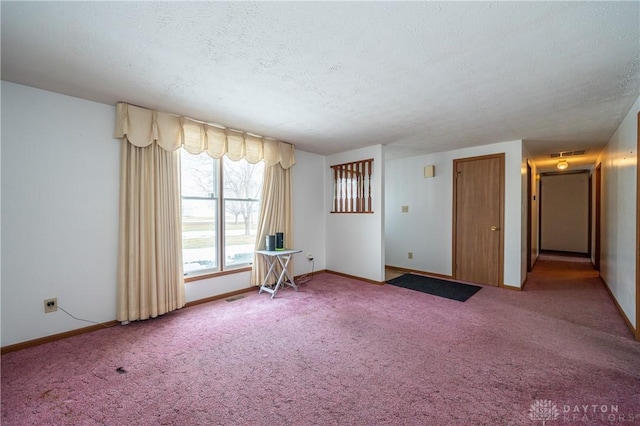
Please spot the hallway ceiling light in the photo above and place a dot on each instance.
(562, 164)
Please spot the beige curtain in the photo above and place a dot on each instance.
(150, 278)
(276, 215)
(143, 127)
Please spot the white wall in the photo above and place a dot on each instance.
(565, 212)
(426, 230)
(618, 222)
(59, 211)
(355, 242)
(309, 211)
(59, 230)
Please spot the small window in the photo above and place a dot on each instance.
(352, 187)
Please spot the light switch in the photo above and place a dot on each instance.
(405, 209)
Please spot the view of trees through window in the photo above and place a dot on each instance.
(214, 189)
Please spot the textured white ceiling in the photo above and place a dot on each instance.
(333, 76)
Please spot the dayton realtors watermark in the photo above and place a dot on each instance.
(544, 410)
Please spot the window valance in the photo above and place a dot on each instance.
(143, 126)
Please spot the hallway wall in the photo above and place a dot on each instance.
(618, 237)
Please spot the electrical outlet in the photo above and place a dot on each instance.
(50, 305)
(309, 257)
(410, 255)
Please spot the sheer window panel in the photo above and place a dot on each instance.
(242, 188)
(200, 206)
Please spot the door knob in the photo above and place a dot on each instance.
(494, 228)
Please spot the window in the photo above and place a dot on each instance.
(220, 209)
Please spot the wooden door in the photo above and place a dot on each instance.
(478, 219)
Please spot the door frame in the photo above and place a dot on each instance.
(540, 200)
(638, 237)
(598, 217)
(590, 217)
(501, 157)
(529, 218)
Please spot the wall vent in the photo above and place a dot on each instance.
(564, 154)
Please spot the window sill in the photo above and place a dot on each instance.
(216, 274)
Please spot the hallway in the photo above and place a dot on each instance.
(569, 289)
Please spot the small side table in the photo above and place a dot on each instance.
(282, 257)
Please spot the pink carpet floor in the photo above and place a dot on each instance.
(344, 352)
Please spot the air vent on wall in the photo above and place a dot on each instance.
(567, 153)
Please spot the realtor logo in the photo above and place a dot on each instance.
(543, 410)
